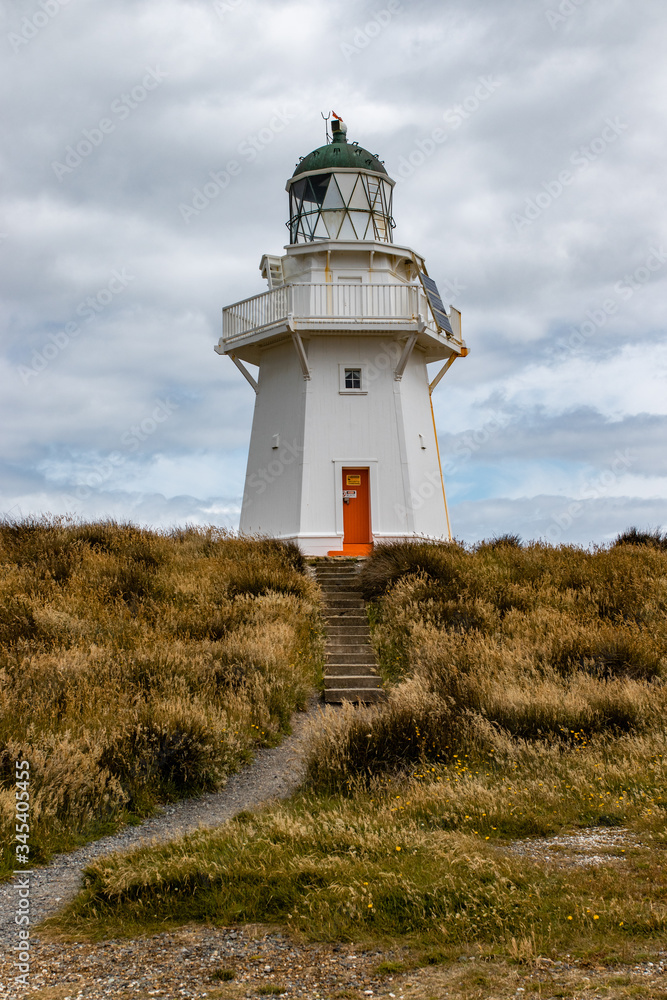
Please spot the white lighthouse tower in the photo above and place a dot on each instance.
(343, 451)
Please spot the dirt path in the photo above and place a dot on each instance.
(275, 774)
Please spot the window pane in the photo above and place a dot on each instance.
(316, 188)
(353, 378)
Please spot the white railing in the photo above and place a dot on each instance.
(324, 304)
(257, 312)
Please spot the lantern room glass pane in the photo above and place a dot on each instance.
(346, 184)
(359, 197)
(344, 206)
(316, 188)
(347, 231)
(332, 221)
(333, 197)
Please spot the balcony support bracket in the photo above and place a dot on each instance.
(244, 371)
(443, 371)
(298, 347)
(407, 350)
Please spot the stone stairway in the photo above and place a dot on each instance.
(350, 673)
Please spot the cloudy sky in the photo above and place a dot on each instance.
(528, 141)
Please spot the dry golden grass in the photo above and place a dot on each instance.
(537, 643)
(137, 666)
(528, 700)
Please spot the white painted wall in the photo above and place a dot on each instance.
(295, 490)
(272, 494)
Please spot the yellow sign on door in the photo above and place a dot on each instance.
(353, 480)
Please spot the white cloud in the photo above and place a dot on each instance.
(225, 71)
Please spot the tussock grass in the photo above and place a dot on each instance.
(528, 699)
(137, 666)
(533, 642)
(635, 536)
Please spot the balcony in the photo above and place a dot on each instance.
(348, 308)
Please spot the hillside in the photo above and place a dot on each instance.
(505, 805)
(136, 667)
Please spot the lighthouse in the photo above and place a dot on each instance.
(343, 450)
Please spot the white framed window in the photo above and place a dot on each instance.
(353, 381)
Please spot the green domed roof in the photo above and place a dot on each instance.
(339, 153)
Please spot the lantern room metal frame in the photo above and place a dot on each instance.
(348, 204)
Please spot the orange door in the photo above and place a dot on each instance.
(356, 512)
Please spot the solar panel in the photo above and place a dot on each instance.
(436, 303)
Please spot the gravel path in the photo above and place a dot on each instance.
(274, 774)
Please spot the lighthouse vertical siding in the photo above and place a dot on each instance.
(322, 430)
(272, 494)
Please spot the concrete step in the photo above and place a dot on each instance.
(340, 640)
(349, 644)
(352, 622)
(352, 681)
(346, 612)
(366, 696)
(347, 669)
(351, 654)
(342, 595)
(347, 624)
(346, 616)
(360, 641)
(325, 573)
(338, 656)
(335, 578)
(332, 593)
(341, 574)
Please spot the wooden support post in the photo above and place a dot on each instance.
(244, 371)
(405, 356)
(445, 368)
(300, 351)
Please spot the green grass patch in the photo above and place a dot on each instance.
(423, 858)
(223, 975)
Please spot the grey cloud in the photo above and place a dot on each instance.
(525, 291)
(537, 518)
(581, 437)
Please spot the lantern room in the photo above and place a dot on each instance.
(340, 192)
